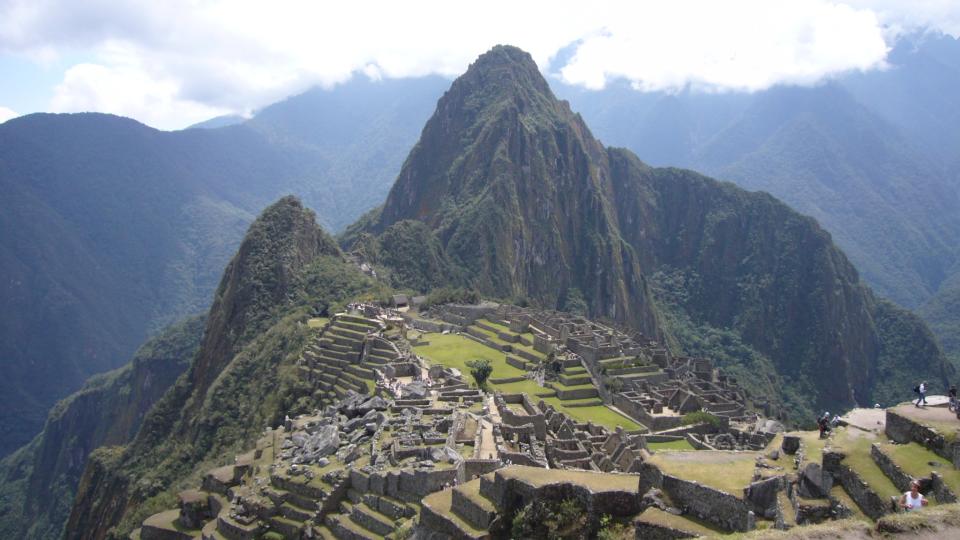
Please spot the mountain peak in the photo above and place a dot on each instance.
(503, 72)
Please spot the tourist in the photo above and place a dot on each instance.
(913, 500)
(922, 393)
(824, 424)
(953, 397)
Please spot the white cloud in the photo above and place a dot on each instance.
(7, 114)
(127, 89)
(744, 45)
(166, 63)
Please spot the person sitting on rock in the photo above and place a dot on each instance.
(913, 500)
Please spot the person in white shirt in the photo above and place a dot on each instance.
(922, 390)
(913, 500)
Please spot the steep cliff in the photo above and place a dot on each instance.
(517, 191)
(520, 194)
(242, 378)
(39, 480)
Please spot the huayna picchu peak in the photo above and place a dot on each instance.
(535, 336)
(530, 205)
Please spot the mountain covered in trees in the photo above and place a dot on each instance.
(507, 191)
(117, 230)
(872, 156)
(526, 203)
(111, 230)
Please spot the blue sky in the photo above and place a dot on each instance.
(176, 62)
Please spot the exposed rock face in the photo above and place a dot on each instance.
(40, 480)
(518, 191)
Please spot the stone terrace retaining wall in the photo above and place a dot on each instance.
(708, 504)
(899, 478)
(872, 504)
(902, 430)
(510, 494)
(408, 484)
(649, 531)
(902, 480)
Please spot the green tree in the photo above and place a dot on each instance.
(481, 370)
(574, 302)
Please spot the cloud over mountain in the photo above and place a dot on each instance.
(177, 62)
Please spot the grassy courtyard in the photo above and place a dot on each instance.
(726, 471)
(453, 350)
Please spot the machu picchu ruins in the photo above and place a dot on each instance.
(609, 425)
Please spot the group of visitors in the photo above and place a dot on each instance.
(826, 424)
(921, 391)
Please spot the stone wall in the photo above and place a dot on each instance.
(512, 419)
(873, 505)
(650, 531)
(510, 494)
(899, 478)
(902, 430)
(722, 509)
(476, 467)
(408, 484)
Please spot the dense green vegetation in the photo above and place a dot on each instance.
(122, 229)
(480, 370)
(38, 482)
(727, 274)
(286, 271)
(548, 519)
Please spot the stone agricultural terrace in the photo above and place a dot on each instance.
(575, 413)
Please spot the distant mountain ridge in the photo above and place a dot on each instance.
(109, 229)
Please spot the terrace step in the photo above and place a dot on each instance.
(438, 506)
(289, 528)
(370, 519)
(471, 506)
(163, 526)
(654, 522)
(292, 511)
(392, 508)
(343, 528)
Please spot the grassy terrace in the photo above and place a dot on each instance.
(318, 322)
(915, 460)
(442, 501)
(938, 418)
(596, 482)
(856, 445)
(812, 445)
(455, 351)
(505, 329)
(681, 445)
(655, 516)
(726, 471)
(452, 350)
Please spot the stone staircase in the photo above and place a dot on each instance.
(365, 516)
(335, 360)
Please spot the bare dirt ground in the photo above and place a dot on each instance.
(928, 415)
(867, 419)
